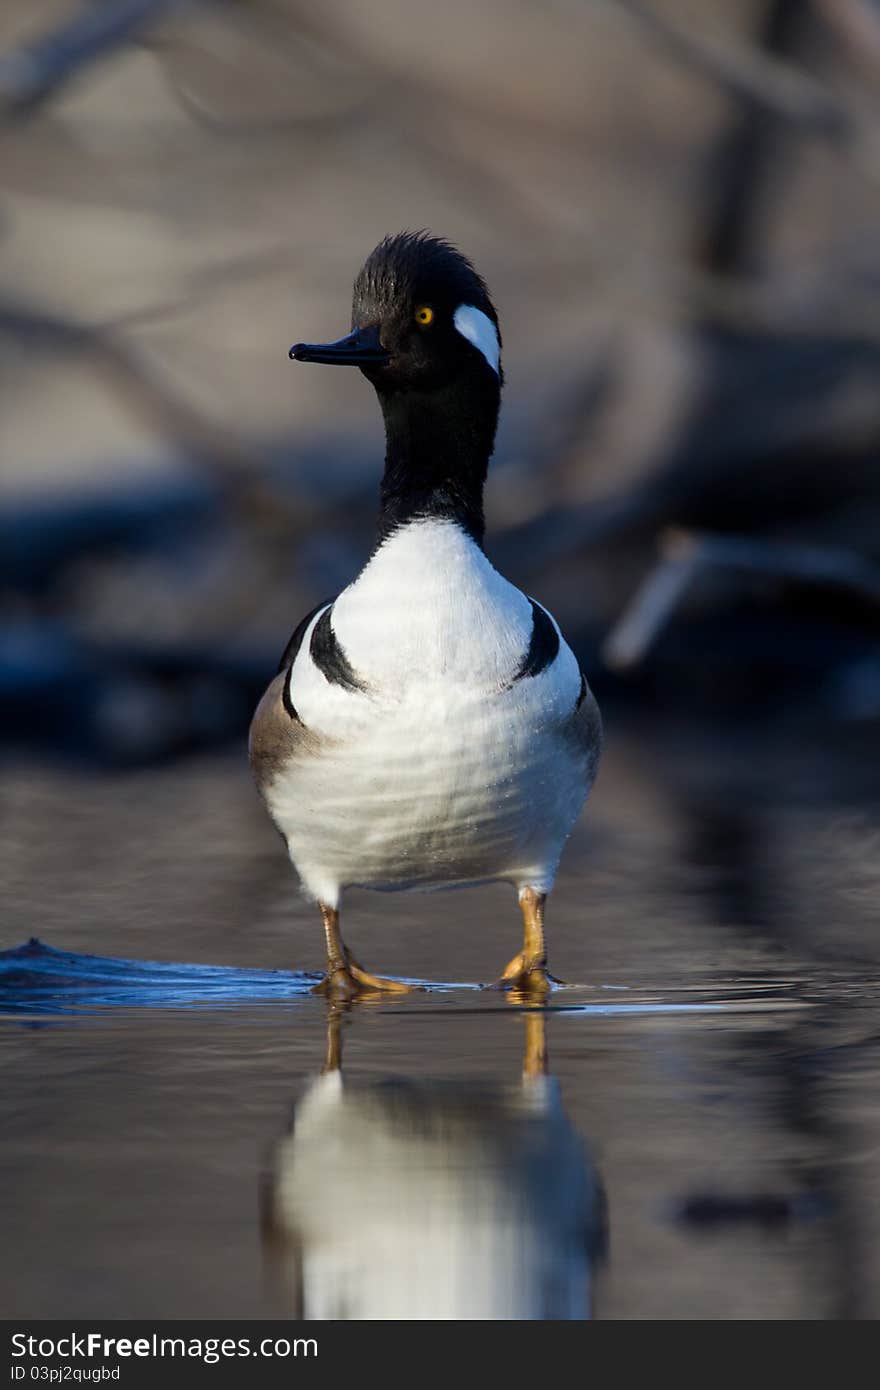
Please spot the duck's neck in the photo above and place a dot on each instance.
(438, 446)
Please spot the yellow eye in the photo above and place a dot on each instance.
(424, 315)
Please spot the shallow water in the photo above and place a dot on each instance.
(697, 1133)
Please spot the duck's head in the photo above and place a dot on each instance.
(422, 320)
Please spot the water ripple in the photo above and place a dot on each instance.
(36, 979)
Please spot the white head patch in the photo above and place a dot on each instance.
(479, 329)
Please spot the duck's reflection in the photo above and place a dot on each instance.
(405, 1199)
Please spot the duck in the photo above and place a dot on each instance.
(428, 728)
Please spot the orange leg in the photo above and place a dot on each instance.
(345, 978)
(527, 973)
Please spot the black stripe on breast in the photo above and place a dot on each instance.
(329, 656)
(543, 647)
(296, 637)
(289, 657)
(286, 700)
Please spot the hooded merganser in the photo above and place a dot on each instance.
(429, 728)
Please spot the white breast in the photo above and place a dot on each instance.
(428, 614)
(430, 607)
(445, 770)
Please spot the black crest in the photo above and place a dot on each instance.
(415, 266)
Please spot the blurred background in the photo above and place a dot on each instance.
(676, 204)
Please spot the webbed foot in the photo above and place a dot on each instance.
(347, 979)
(524, 976)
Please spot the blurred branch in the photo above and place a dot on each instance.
(767, 82)
(748, 159)
(650, 610)
(333, 123)
(330, 93)
(685, 557)
(772, 307)
(37, 70)
(225, 459)
(202, 282)
(566, 529)
(423, 94)
(856, 26)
